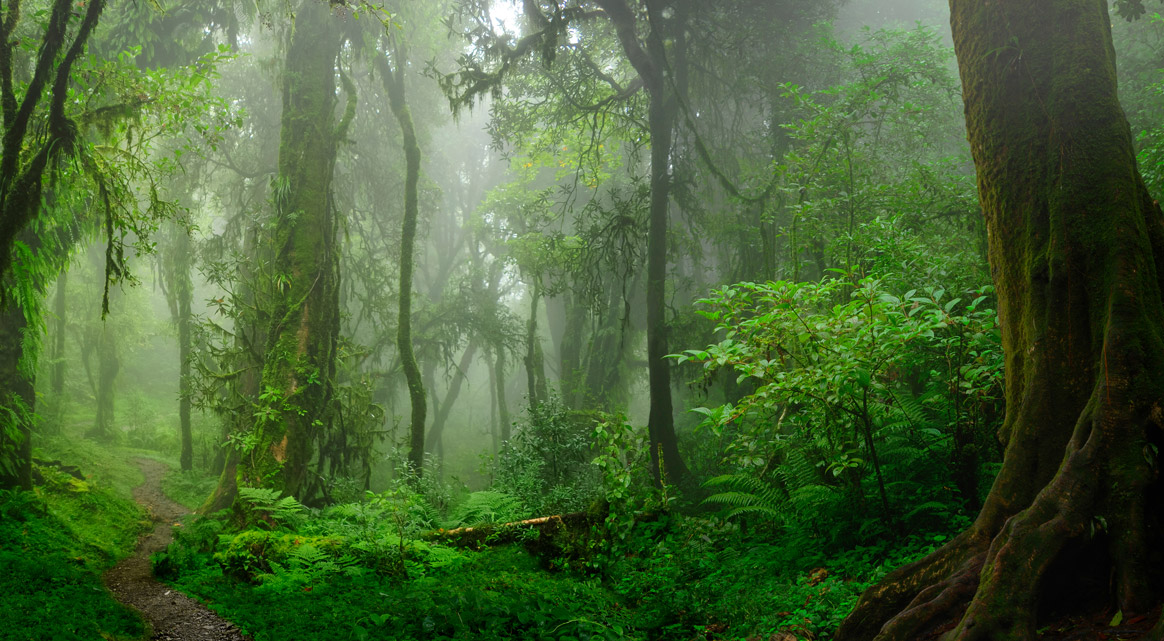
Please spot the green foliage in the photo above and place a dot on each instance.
(488, 507)
(190, 489)
(858, 393)
(546, 463)
(265, 507)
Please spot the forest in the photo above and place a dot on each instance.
(581, 320)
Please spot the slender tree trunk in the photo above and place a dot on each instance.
(183, 292)
(499, 382)
(436, 434)
(299, 366)
(108, 366)
(493, 409)
(650, 61)
(534, 363)
(394, 82)
(1077, 251)
(572, 377)
(57, 382)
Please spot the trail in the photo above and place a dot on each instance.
(172, 615)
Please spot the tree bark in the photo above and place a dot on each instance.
(394, 82)
(299, 366)
(534, 363)
(108, 365)
(436, 434)
(650, 61)
(1077, 252)
(499, 390)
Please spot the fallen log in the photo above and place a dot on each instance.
(503, 533)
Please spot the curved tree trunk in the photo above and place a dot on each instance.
(1077, 251)
(397, 100)
(436, 434)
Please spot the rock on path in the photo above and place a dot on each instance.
(172, 615)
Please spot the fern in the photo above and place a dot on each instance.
(746, 495)
(482, 508)
(266, 506)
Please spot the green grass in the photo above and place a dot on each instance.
(190, 489)
(54, 544)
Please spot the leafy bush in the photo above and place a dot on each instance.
(860, 397)
(546, 463)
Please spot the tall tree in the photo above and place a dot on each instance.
(179, 290)
(1077, 253)
(662, 76)
(393, 79)
(301, 343)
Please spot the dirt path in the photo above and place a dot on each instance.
(172, 615)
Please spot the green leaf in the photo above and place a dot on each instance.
(1117, 619)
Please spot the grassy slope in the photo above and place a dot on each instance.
(55, 542)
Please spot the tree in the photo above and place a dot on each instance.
(1077, 253)
(24, 158)
(299, 366)
(393, 80)
(179, 290)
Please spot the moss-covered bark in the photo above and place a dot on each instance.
(1077, 250)
(299, 364)
(398, 101)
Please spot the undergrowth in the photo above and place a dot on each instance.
(54, 545)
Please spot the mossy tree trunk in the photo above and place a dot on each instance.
(179, 290)
(393, 80)
(296, 391)
(1077, 253)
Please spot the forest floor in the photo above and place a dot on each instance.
(172, 615)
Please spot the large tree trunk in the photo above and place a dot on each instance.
(301, 344)
(1077, 251)
(650, 61)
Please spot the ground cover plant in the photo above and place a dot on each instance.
(56, 542)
